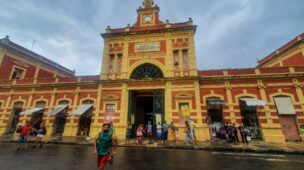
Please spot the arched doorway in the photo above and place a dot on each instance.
(60, 119)
(287, 118)
(37, 116)
(85, 119)
(215, 117)
(249, 113)
(146, 71)
(17, 108)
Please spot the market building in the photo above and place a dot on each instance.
(149, 72)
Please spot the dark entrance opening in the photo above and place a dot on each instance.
(15, 117)
(59, 123)
(145, 106)
(37, 119)
(250, 120)
(61, 118)
(215, 117)
(85, 123)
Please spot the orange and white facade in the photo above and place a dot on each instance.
(149, 73)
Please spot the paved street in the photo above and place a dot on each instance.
(81, 157)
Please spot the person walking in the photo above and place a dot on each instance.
(173, 130)
(176, 136)
(165, 129)
(23, 135)
(243, 134)
(102, 146)
(139, 134)
(40, 134)
(159, 132)
(149, 130)
(188, 136)
(128, 134)
(192, 129)
(235, 134)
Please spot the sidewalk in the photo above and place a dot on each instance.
(214, 145)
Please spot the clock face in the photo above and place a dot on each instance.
(147, 18)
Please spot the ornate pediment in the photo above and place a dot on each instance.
(110, 97)
(21, 64)
(183, 96)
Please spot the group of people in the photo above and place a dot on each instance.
(26, 130)
(161, 132)
(232, 133)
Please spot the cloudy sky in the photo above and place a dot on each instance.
(231, 33)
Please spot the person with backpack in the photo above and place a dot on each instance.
(23, 134)
(103, 145)
(40, 134)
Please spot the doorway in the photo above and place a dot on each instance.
(250, 120)
(61, 119)
(15, 117)
(290, 129)
(145, 106)
(85, 123)
(215, 117)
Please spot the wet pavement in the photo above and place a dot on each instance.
(66, 157)
(217, 145)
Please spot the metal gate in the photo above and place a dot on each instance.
(290, 128)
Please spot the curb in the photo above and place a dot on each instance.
(193, 148)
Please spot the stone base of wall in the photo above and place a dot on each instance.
(273, 134)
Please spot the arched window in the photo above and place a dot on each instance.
(88, 101)
(18, 104)
(63, 102)
(284, 105)
(146, 71)
(40, 104)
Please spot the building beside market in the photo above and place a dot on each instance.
(149, 72)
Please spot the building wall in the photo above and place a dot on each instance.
(9, 61)
(163, 58)
(289, 57)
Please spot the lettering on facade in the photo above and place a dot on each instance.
(147, 47)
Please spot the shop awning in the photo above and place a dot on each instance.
(33, 110)
(57, 110)
(215, 102)
(284, 106)
(81, 110)
(253, 102)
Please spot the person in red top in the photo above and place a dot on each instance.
(23, 133)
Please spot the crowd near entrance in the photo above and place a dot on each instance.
(145, 106)
(215, 117)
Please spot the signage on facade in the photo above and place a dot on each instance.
(185, 110)
(158, 119)
(147, 47)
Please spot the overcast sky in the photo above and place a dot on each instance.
(231, 33)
